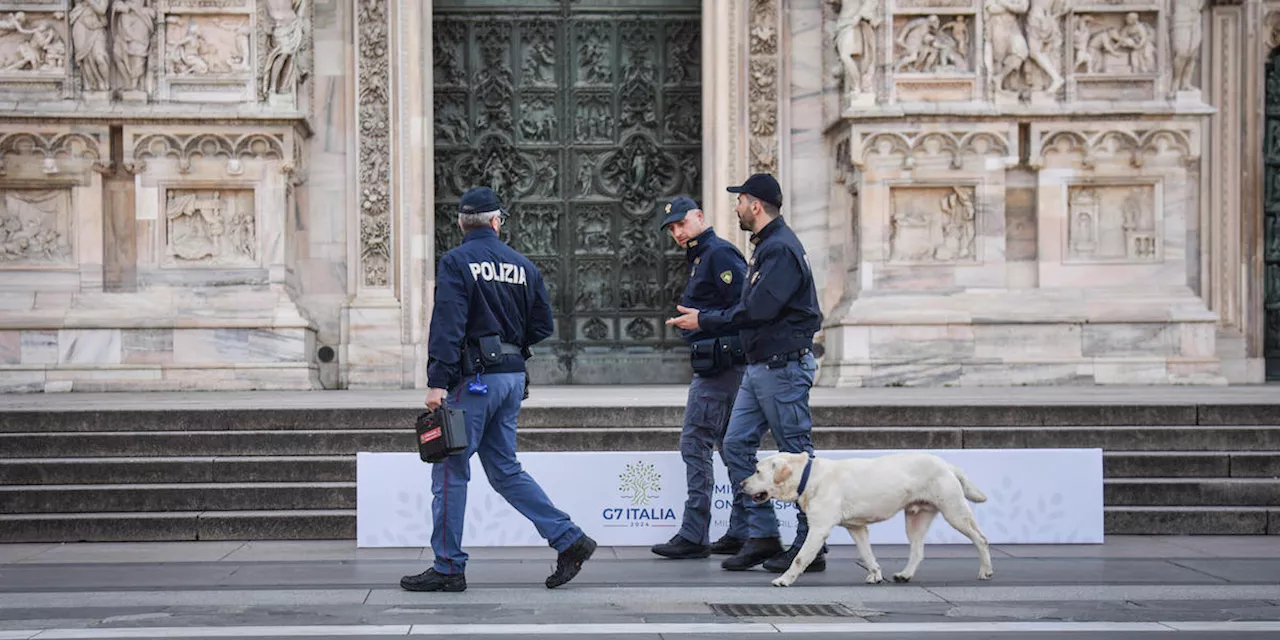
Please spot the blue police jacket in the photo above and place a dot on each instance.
(779, 310)
(483, 288)
(717, 272)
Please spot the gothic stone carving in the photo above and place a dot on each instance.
(1112, 223)
(925, 44)
(33, 43)
(1024, 59)
(133, 22)
(281, 74)
(855, 44)
(186, 147)
(373, 114)
(932, 225)
(1185, 42)
(762, 86)
(51, 148)
(1117, 44)
(210, 228)
(89, 42)
(35, 227)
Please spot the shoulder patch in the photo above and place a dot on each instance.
(727, 276)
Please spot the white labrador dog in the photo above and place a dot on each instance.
(856, 492)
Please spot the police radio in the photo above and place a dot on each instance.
(441, 433)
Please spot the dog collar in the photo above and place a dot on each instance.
(804, 476)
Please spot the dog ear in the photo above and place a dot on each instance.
(782, 474)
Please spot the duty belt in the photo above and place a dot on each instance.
(782, 358)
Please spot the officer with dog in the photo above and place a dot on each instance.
(717, 271)
(777, 319)
(490, 305)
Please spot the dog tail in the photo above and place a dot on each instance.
(971, 492)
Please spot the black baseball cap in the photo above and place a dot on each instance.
(677, 209)
(479, 200)
(762, 186)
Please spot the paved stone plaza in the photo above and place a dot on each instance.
(1130, 587)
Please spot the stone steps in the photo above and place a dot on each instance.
(187, 474)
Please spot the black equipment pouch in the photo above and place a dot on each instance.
(490, 350)
(731, 352)
(441, 433)
(703, 357)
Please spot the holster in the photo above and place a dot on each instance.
(441, 433)
(712, 356)
(486, 352)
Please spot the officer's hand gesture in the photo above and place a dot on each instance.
(435, 398)
(687, 321)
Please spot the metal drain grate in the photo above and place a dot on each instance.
(783, 610)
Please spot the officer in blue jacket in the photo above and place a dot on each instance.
(777, 319)
(716, 273)
(490, 306)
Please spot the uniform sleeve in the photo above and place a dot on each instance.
(729, 261)
(779, 277)
(448, 326)
(541, 321)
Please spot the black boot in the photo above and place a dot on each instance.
(727, 545)
(681, 549)
(569, 562)
(430, 580)
(755, 551)
(782, 562)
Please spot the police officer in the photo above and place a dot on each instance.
(777, 319)
(490, 305)
(716, 273)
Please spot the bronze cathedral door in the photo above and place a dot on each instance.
(585, 117)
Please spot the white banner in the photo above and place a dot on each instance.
(637, 498)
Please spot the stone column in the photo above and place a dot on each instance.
(724, 112)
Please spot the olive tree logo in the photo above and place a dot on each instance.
(640, 483)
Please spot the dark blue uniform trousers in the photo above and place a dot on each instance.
(777, 400)
(491, 432)
(706, 416)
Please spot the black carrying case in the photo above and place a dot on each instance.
(441, 433)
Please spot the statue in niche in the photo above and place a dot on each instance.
(186, 54)
(1084, 210)
(856, 44)
(89, 40)
(132, 23)
(1006, 44)
(1044, 41)
(1185, 42)
(281, 74)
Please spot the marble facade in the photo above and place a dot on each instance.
(236, 194)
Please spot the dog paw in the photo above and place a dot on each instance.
(901, 577)
(875, 577)
(781, 581)
(986, 575)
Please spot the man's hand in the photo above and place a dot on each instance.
(435, 398)
(687, 321)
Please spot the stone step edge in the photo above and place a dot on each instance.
(658, 429)
(195, 486)
(178, 515)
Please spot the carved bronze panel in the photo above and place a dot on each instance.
(1271, 220)
(585, 117)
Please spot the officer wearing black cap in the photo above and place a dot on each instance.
(777, 319)
(717, 271)
(490, 306)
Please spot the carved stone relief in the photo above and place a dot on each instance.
(35, 227)
(932, 225)
(133, 23)
(89, 44)
(33, 43)
(930, 44)
(1112, 223)
(762, 85)
(209, 227)
(1117, 43)
(283, 70)
(373, 160)
(1024, 44)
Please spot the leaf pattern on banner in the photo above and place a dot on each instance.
(1009, 514)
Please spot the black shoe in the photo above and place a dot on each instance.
(780, 563)
(569, 562)
(431, 580)
(681, 549)
(755, 551)
(727, 546)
